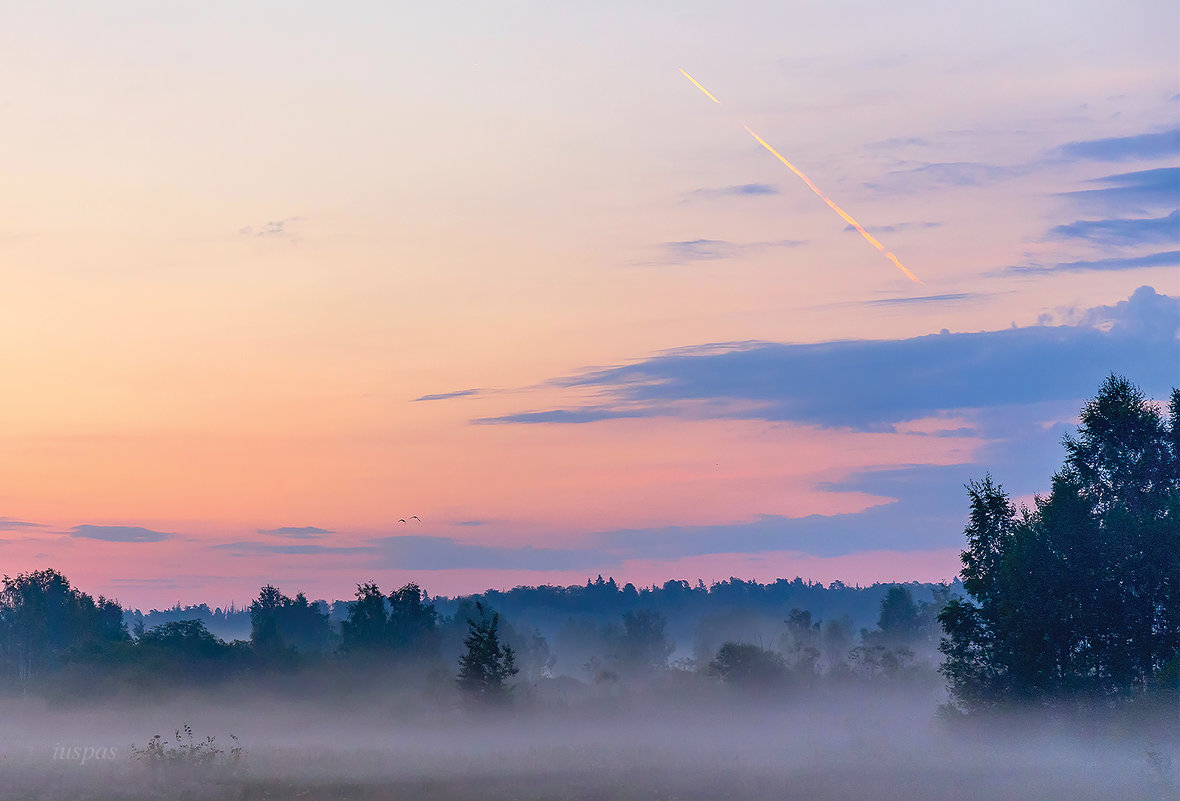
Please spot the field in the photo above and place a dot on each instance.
(863, 747)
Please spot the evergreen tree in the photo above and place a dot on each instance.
(487, 665)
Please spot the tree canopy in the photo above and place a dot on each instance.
(1075, 598)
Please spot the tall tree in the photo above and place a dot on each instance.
(1078, 596)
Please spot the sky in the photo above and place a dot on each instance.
(278, 276)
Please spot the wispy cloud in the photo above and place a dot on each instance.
(897, 142)
(1124, 148)
(8, 524)
(119, 533)
(740, 190)
(1169, 258)
(586, 414)
(443, 553)
(1132, 191)
(250, 548)
(1119, 232)
(892, 229)
(954, 173)
(954, 297)
(296, 532)
(692, 250)
(273, 228)
(462, 393)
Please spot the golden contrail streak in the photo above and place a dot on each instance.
(847, 217)
(698, 86)
(872, 240)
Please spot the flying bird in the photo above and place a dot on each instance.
(415, 517)
(401, 520)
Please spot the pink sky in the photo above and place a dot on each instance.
(240, 246)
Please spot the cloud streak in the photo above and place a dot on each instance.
(1138, 191)
(296, 532)
(8, 524)
(462, 393)
(249, 548)
(119, 533)
(443, 553)
(693, 250)
(740, 190)
(1124, 148)
(1118, 232)
(1169, 258)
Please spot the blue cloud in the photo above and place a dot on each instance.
(741, 190)
(874, 384)
(956, 173)
(462, 393)
(1133, 191)
(1124, 148)
(924, 299)
(1169, 258)
(713, 249)
(248, 548)
(892, 229)
(1123, 231)
(119, 533)
(588, 414)
(896, 142)
(8, 524)
(296, 532)
(442, 553)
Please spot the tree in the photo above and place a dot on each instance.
(265, 619)
(413, 623)
(642, 647)
(1076, 598)
(42, 617)
(487, 665)
(367, 625)
(748, 666)
(899, 621)
(280, 624)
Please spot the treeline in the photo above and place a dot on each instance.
(550, 609)
(53, 635)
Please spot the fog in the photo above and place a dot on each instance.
(675, 737)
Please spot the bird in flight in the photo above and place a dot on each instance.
(401, 520)
(415, 517)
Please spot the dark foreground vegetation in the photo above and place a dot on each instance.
(1060, 647)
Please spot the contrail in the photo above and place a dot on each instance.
(698, 86)
(847, 217)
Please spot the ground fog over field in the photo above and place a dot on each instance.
(673, 744)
